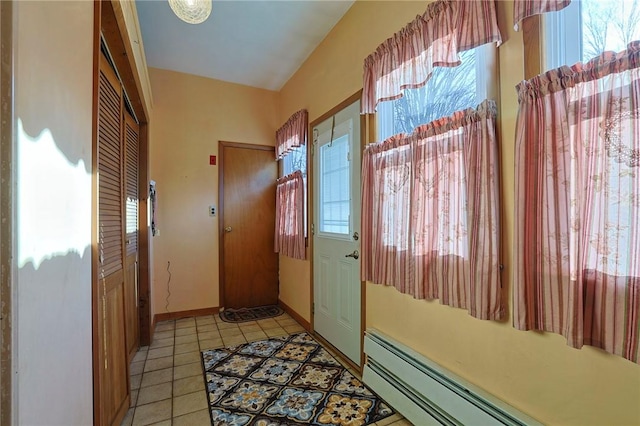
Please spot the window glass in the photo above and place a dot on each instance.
(335, 183)
(296, 159)
(449, 89)
(602, 25)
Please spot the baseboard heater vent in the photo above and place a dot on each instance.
(427, 394)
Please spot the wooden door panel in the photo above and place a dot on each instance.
(114, 377)
(131, 192)
(250, 265)
(131, 308)
(113, 384)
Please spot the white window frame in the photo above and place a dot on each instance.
(561, 43)
(485, 67)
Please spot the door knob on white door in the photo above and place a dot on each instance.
(355, 254)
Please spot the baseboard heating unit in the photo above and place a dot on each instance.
(427, 394)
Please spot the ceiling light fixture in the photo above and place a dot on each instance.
(191, 11)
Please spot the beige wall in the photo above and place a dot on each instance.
(190, 115)
(52, 281)
(535, 372)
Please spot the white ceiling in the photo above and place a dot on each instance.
(256, 43)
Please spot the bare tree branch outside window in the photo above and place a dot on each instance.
(608, 25)
(449, 90)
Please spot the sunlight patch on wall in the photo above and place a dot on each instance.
(54, 200)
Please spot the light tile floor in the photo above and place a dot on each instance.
(167, 384)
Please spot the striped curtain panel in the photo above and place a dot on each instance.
(406, 60)
(292, 134)
(289, 238)
(430, 220)
(578, 203)
(525, 8)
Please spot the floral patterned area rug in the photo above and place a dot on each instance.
(283, 381)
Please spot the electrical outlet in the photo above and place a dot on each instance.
(212, 210)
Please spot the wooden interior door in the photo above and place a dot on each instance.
(131, 132)
(112, 357)
(248, 264)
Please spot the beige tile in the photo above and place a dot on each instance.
(128, 418)
(186, 347)
(234, 341)
(158, 335)
(268, 323)
(224, 325)
(134, 397)
(158, 363)
(185, 331)
(250, 328)
(156, 377)
(154, 393)
(160, 352)
(229, 332)
(165, 326)
(256, 335)
(140, 356)
(186, 358)
(186, 339)
(188, 385)
(247, 323)
(208, 335)
(161, 343)
(152, 413)
(217, 317)
(162, 423)
(293, 328)
(192, 419)
(187, 370)
(207, 319)
(136, 368)
(389, 420)
(135, 381)
(274, 332)
(185, 323)
(207, 327)
(403, 422)
(211, 344)
(287, 321)
(189, 403)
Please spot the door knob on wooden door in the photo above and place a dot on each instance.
(227, 229)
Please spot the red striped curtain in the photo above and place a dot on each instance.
(292, 134)
(525, 8)
(406, 60)
(289, 237)
(578, 203)
(430, 220)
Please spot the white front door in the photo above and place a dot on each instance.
(336, 224)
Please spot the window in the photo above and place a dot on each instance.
(291, 188)
(603, 25)
(296, 159)
(335, 198)
(449, 89)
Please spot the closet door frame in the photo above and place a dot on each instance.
(110, 26)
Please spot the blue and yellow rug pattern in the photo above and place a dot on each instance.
(286, 381)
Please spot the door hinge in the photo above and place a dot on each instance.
(313, 308)
(313, 229)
